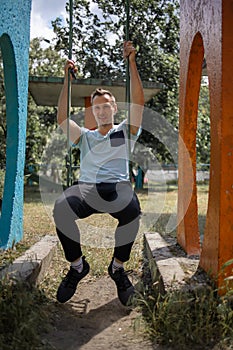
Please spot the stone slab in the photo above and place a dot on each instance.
(33, 264)
(164, 266)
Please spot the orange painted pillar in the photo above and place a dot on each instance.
(190, 79)
(89, 119)
(206, 27)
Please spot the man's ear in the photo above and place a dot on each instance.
(115, 108)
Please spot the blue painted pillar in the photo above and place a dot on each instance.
(14, 43)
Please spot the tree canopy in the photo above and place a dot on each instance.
(99, 29)
(98, 34)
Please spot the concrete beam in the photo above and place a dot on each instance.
(32, 265)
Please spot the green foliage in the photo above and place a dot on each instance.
(23, 316)
(2, 178)
(203, 127)
(40, 123)
(44, 61)
(98, 33)
(41, 120)
(189, 318)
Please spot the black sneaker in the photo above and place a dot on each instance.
(69, 283)
(125, 289)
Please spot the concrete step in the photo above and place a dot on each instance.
(33, 264)
(169, 270)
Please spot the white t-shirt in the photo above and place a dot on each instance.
(104, 158)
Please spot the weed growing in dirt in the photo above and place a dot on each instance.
(23, 316)
(190, 319)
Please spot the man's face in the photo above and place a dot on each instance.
(104, 108)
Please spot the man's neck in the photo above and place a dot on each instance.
(104, 129)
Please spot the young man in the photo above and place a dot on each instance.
(104, 185)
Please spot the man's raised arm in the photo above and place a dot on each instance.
(74, 131)
(136, 89)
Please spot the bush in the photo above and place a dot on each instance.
(189, 319)
(2, 177)
(23, 316)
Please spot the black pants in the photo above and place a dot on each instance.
(81, 200)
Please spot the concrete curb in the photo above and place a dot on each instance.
(165, 268)
(33, 264)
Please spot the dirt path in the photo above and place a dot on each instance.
(95, 319)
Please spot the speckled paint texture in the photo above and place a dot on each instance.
(14, 42)
(206, 30)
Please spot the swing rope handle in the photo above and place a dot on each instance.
(69, 152)
(127, 90)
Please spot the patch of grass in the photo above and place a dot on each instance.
(37, 224)
(186, 320)
(24, 315)
(181, 320)
(189, 318)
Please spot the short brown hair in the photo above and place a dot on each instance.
(101, 92)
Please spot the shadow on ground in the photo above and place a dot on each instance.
(95, 319)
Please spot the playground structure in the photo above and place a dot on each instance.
(14, 43)
(204, 28)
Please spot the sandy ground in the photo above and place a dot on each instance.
(95, 319)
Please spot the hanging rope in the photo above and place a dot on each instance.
(127, 89)
(69, 150)
(127, 62)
